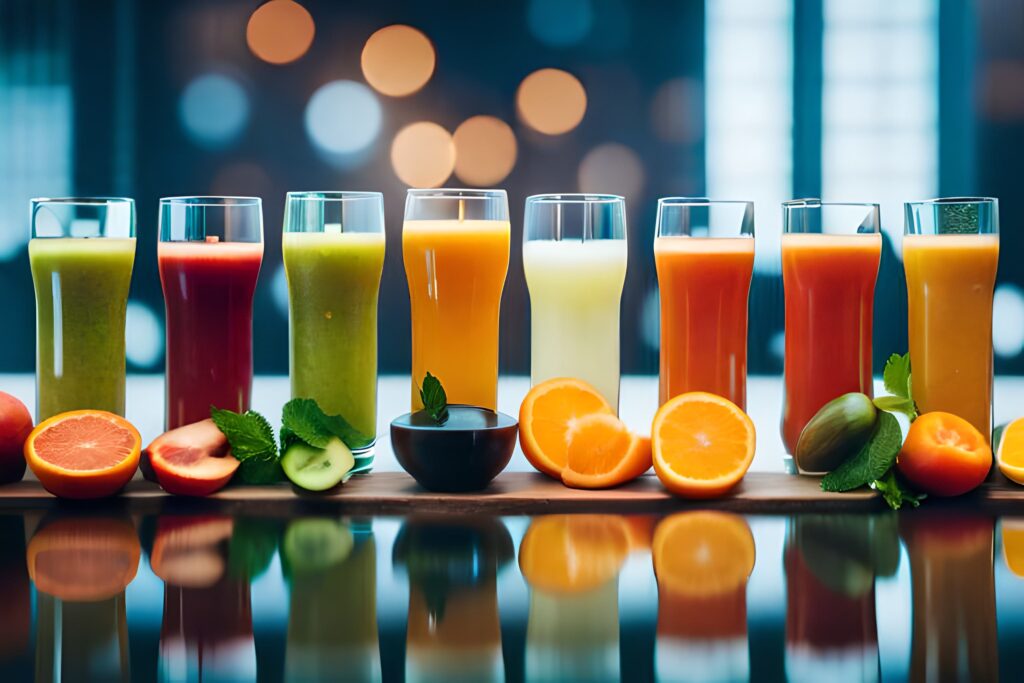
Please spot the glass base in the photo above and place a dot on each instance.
(364, 459)
(789, 464)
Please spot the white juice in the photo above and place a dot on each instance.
(575, 295)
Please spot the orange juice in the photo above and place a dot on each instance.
(829, 283)
(704, 283)
(456, 272)
(950, 279)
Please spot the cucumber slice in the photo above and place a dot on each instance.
(317, 469)
(314, 544)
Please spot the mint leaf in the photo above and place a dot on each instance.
(434, 399)
(895, 493)
(873, 460)
(897, 404)
(896, 375)
(303, 420)
(252, 443)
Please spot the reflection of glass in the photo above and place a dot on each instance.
(830, 257)
(572, 564)
(331, 568)
(702, 561)
(455, 244)
(209, 256)
(954, 597)
(831, 563)
(951, 253)
(704, 253)
(81, 252)
(16, 606)
(574, 257)
(454, 633)
(333, 247)
(207, 622)
(81, 567)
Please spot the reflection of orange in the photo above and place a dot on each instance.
(547, 415)
(603, 453)
(641, 531)
(703, 553)
(84, 559)
(573, 553)
(1013, 544)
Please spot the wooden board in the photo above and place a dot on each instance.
(395, 493)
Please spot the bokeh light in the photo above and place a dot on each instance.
(343, 117)
(485, 150)
(280, 31)
(677, 111)
(1008, 321)
(423, 154)
(242, 178)
(214, 110)
(144, 335)
(279, 290)
(398, 60)
(559, 23)
(611, 168)
(551, 101)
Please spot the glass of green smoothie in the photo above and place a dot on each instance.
(81, 253)
(333, 247)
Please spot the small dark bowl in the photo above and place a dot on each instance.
(464, 454)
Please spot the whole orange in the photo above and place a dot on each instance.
(944, 455)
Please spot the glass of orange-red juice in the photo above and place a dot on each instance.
(704, 254)
(830, 258)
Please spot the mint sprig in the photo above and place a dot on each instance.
(434, 399)
(872, 461)
(897, 381)
(252, 443)
(895, 493)
(302, 419)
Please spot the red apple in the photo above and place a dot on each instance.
(15, 426)
(194, 460)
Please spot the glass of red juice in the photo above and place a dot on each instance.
(209, 257)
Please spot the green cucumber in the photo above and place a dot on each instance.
(836, 433)
(317, 469)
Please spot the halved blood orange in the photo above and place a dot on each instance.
(703, 444)
(603, 453)
(573, 553)
(548, 414)
(84, 453)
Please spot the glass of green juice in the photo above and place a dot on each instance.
(333, 248)
(81, 253)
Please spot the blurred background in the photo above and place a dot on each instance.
(862, 100)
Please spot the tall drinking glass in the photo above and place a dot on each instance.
(950, 253)
(830, 257)
(574, 256)
(455, 244)
(704, 255)
(333, 246)
(209, 256)
(82, 252)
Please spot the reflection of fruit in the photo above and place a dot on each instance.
(317, 469)
(603, 453)
(314, 544)
(703, 445)
(641, 531)
(944, 455)
(15, 426)
(1013, 544)
(573, 553)
(846, 552)
(1010, 453)
(188, 551)
(83, 558)
(547, 415)
(194, 460)
(84, 453)
(703, 553)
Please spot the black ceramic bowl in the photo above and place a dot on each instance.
(464, 454)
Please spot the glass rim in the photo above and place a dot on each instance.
(455, 193)
(82, 201)
(210, 200)
(953, 200)
(815, 203)
(333, 195)
(699, 201)
(575, 198)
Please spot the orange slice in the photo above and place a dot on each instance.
(84, 558)
(548, 414)
(703, 445)
(573, 553)
(1010, 454)
(702, 553)
(603, 453)
(84, 453)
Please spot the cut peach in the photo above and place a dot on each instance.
(194, 460)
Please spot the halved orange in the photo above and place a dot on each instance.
(1010, 454)
(603, 453)
(573, 553)
(548, 414)
(703, 444)
(84, 453)
(702, 553)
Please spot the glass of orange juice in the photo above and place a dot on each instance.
(704, 254)
(830, 258)
(950, 254)
(455, 244)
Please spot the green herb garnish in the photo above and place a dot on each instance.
(896, 378)
(895, 492)
(872, 461)
(434, 400)
(302, 419)
(252, 443)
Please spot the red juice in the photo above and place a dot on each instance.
(208, 292)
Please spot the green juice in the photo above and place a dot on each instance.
(81, 289)
(333, 282)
